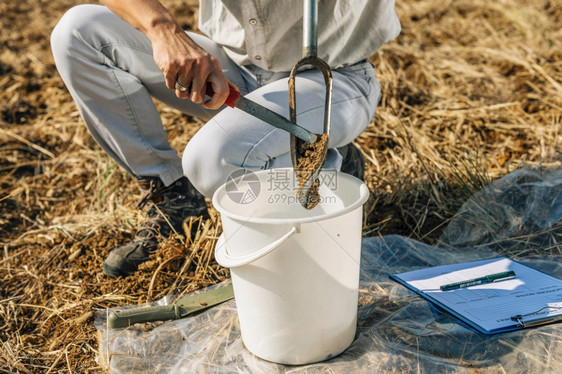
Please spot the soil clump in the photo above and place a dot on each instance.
(310, 157)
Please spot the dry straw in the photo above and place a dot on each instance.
(471, 90)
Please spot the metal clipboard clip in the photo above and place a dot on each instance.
(537, 321)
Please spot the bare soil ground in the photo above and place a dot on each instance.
(472, 90)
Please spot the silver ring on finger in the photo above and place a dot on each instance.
(179, 87)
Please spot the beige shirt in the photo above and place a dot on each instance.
(268, 33)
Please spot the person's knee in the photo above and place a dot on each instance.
(71, 21)
(204, 165)
(213, 154)
(75, 26)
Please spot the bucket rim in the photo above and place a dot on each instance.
(363, 196)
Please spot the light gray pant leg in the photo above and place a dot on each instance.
(109, 70)
(234, 140)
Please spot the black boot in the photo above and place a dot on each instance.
(170, 207)
(353, 161)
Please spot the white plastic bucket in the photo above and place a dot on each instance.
(295, 272)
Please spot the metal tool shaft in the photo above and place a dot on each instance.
(235, 100)
(274, 119)
(310, 22)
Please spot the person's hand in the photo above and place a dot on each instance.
(188, 69)
(181, 60)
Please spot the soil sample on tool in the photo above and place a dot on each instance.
(310, 157)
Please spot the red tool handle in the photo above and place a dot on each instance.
(232, 98)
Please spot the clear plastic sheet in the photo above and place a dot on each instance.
(519, 216)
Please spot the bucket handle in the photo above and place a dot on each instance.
(226, 260)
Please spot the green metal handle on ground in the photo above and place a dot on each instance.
(183, 307)
(125, 318)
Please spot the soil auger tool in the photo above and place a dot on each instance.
(308, 157)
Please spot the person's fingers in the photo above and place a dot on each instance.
(220, 88)
(170, 72)
(205, 67)
(197, 89)
(190, 73)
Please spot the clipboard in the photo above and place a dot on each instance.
(529, 298)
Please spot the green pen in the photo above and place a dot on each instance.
(481, 280)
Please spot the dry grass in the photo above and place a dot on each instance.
(470, 86)
(472, 90)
